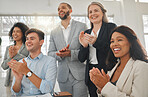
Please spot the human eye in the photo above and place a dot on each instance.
(120, 39)
(96, 10)
(90, 11)
(27, 38)
(32, 38)
(111, 41)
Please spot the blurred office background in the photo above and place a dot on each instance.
(43, 14)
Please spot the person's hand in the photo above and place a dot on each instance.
(64, 49)
(91, 38)
(12, 51)
(83, 41)
(100, 79)
(65, 52)
(18, 66)
(17, 75)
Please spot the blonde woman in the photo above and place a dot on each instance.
(95, 42)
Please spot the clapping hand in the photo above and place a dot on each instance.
(64, 52)
(99, 78)
(86, 38)
(83, 40)
(12, 51)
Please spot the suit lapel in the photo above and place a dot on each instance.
(101, 33)
(110, 73)
(125, 73)
(22, 47)
(61, 38)
(71, 31)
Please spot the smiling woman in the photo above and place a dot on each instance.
(127, 67)
(16, 51)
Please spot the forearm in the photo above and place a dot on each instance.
(17, 86)
(35, 80)
(4, 65)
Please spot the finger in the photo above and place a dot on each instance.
(67, 46)
(108, 77)
(98, 71)
(103, 73)
(81, 33)
(95, 34)
(25, 63)
(59, 54)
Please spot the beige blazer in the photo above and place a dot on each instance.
(133, 81)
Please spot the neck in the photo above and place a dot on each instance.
(66, 22)
(97, 26)
(18, 43)
(35, 54)
(124, 61)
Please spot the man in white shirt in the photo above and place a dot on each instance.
(64, 46)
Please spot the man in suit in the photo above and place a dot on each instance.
(64, 46)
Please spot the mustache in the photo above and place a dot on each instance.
(65, 16)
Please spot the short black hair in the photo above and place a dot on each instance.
(68, 5)
(23, 28)
(37, 31)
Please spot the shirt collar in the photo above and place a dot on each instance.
(68, 25)
(38, 57)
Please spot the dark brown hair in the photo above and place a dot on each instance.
(137, 51)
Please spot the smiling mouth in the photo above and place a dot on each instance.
(116, 50)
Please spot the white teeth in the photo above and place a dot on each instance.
(61, 13)
(116, 49)
(93, 17)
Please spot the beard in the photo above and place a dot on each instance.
(65, 16)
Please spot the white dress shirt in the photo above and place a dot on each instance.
(92, 51)
(66, 31)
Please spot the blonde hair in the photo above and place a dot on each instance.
(104, 18)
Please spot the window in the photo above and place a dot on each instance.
(145, 23)
(44, 23)
(143, 1)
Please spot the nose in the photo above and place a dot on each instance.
(115, 43)
(27, 40)
(60, 10)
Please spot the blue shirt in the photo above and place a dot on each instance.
(45, 68)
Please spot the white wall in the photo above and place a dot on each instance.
(125, 11)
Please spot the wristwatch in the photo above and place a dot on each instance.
(29, 74)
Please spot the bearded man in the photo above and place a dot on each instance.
(64, 46)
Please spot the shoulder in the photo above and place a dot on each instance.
(111, 24)
(48, 58)
(139, 63)
(140, 66)
(78, 22)
(56, 29)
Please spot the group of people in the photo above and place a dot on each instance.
(106, 60)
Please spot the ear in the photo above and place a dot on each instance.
(70, 10)
(41, 42)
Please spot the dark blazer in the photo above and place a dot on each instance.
(102, 45)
